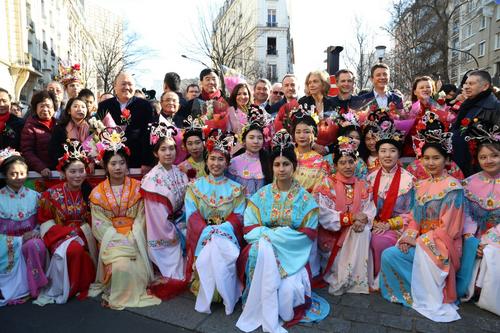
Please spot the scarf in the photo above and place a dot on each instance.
(340, 193)
(77, 131)
(206, 96)
(47, 123)
(3, 120)
(390, 197)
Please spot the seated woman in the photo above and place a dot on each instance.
(311, 167)
(163, 189)
(37, 133)
(22, 252)
(346, 215)
(192, 140)
(392, 192)
(118, 223)
(481, 252)
(280, 228)
(349, 127)
(214, 214)
(65, 227)
(72, 125)
(251, 168)
(420, 270)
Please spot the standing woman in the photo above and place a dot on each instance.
(239, 102)
(192, 140)
(72, 125)
(420, 270)
(64, 216)
(392, 192)
(311, 167)
(482, 224)
(370, 138)
(346, 215)
(163, 189)
(280, 227)
(22, 252)
(251, 169)
(37, 133)
(214, 215)
(118, 222)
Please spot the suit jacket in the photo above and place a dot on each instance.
(355, 102)
(391, 97)
(137, 132)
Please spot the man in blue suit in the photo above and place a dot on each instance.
(380, 76)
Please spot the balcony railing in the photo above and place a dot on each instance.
(272, 52)
(272, 24)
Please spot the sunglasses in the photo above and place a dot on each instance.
(278, 93)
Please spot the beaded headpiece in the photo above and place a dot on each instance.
(346, 146)
(112, 139)
(302, 111)
(282, 140)
(387, 130)
(7, 153)
(73, 151)
(347, 119)
(431, 130)
(69, 74)
(482, 131)
(163, 129)
(223, 142)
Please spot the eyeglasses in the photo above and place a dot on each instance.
(278, 93)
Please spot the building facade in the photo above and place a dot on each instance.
(475, 40)
(267, 50)
(36, 36)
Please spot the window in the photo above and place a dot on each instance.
(498, 13)
(271, 46)
(482, 48)
(482, 23)
(466, 55)
(271, 18)
(468, 30)
(272, 72)
(455, 28)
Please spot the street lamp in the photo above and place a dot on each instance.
(380, 52)
(193, 59)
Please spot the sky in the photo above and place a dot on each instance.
(169, 28)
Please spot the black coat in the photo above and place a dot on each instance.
(485, 107)
(355, 102)
(57, 140)
(137, 132)
(11, 135)
(391, 98)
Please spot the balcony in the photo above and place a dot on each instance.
(272, 51)
(272, 24)
(44, 46)
(36, 64)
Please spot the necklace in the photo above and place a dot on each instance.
(73, 203)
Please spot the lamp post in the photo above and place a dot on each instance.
(380, 52)
(196, 60)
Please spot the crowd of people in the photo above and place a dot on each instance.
(260, 197)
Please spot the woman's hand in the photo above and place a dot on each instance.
(380, 227)
(358, 226)
(405, 243)
(479, 252)
(45, 173)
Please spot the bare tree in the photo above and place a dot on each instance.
(115, 53)
(421, 31)
(360, 55)
(228, 40)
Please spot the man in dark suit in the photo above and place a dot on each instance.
(289, 87)
(261, 91)
(480, 103)
(345, 83)
(380, 95)
(136, 126)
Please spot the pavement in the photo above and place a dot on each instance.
(349, 313)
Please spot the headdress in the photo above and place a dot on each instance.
(386, 131)
(431, 130)
(112, 139)
(481, 131)
(7, 153)
(282, 140)
(303, 111)
(258, 118)
(346, 146)
(347, 119)
(162, 129)
(73, 152)
(69, 74)
(223, 142)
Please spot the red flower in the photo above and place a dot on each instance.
(373, 107)
(441, 101)
(210, 145)
(127, 150)
(191, 173)
(126, 116)
(76, 67)
(465, 122)
(392, 106)
(420, 126)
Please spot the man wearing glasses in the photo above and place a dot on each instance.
(276, 93)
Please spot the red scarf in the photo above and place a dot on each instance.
(340, 195)
(206, 96)
(48, 123)
(3, 120)
(390, 197)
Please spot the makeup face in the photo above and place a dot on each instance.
(216, 163)
(194, 146)
(75, 174)
(489, 160)
(356, 138)
(16, 175)
(166, 153)
(433, 161)
(346, 166)
(117, 168)
(282, 169)
(388, 156)
(370, 142)
(78, 111)
(303, 135)
(254, 141)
